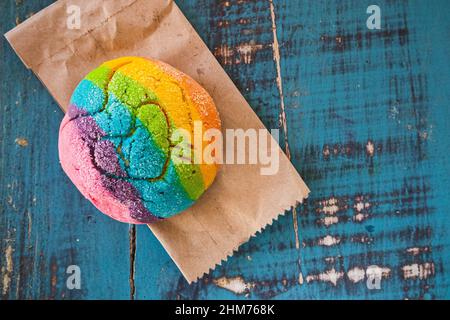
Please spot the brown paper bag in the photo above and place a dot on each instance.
(241, 201)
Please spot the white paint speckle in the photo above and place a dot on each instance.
(370, 148)
(234, 284)
(331, 276)
(330, 206)
(332, 259)
(300, 278)
(360, 217)
(361, 205)
(226, 53)
(328, 221)
(7, 271)
(420, 271)
(248, 51)
(416, 250)
(326, 151)
(356, 274)
(329, 240)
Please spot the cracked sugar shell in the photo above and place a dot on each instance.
(115, 141)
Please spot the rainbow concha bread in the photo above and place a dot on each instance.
(115, 139)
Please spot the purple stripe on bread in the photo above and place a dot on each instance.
(74, 112)
(105, 159)
(126, 193)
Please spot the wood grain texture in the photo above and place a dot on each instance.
(363, 114)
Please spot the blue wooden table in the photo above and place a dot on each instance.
(365, 119)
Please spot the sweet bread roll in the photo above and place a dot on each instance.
(116, 139)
